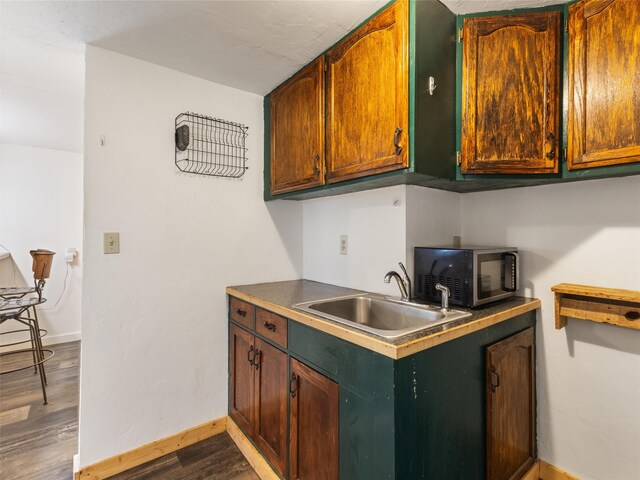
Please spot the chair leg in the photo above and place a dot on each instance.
(39, 342)
(34, 335)
(33, 346)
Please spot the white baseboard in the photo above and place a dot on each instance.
(64, 338)
(46, 341)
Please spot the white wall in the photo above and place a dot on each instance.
(41, 207)
(588, 374)
(154, 356)
(383, 226)
(433, 218)
(41, 93)
(42, 90)
(375, 222)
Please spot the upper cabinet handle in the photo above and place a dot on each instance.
(316, 166)
(396, 139)
(551, 138)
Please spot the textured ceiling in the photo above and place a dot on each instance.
(250, 45)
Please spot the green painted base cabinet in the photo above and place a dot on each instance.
(420, 417)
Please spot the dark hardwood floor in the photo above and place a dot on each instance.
(37, 442)
(216, 458)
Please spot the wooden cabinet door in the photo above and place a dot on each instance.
(511, 432)
(604, 81)
(367, 98)
(241, 376)
(271, 386)
(510, 94)
(313, 425)
(297, 131)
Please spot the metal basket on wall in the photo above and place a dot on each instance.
(210, 146)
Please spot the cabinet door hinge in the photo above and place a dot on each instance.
(564, 154)
(458, 159)
(566, 25)
(460, 35)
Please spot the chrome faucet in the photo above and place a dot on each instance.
(445, 295)
(403, 284)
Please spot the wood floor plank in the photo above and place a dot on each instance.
(14, 415)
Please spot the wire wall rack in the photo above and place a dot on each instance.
(210, 146)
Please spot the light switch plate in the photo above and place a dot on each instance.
(112, 242)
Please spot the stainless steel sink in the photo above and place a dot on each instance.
(383, 316)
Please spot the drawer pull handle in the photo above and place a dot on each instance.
(632, 315)
(258, 360)
(251, 354)
(270, 326)
(241, 312)
(293, 385)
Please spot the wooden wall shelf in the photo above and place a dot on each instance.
(602, 305)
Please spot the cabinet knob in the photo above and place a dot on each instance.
(270, 326)
(316, 166)
(632, 315)
(241, 312)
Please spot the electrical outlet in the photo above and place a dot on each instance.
(344, 244)
(112, 242)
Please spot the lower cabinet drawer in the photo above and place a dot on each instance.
(272, 326)
(242, 312)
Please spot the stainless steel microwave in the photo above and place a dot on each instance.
(474, 275)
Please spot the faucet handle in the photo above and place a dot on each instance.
(404, 270)
(446, 293)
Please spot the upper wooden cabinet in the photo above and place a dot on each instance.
(604, 77)
(511, 420)
(510, 94)
(367, 98)
(297, 131)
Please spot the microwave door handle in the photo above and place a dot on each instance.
(516, 276)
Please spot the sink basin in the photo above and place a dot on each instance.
(380, 315)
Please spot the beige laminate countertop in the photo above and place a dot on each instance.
(279, 297)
